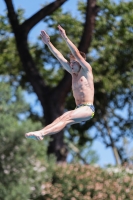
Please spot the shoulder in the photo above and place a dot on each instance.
(84, 64)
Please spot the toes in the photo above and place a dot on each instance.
(32, 136)
(29, 135)
(41, 138)
(26, 135)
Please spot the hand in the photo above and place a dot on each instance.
(45, 37)
(62, 32)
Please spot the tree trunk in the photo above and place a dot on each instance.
(53, 109)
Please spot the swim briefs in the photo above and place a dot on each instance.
(87, 104)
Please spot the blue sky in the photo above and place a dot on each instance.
(30, 7)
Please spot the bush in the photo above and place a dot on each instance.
(83, 182)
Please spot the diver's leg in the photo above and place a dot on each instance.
(70, 117)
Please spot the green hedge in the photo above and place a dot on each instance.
(80, 182)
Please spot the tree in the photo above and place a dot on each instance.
(23, 163)
(112, 33)
(52, 99)
(112, 59)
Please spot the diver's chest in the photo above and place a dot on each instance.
(78, 81)
(80, 78)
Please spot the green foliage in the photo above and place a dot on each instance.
(113, 44)
(23, 162)
(11, 67)
(112, 66)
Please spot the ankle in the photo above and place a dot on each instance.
(42, 133)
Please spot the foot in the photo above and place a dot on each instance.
(36, 135)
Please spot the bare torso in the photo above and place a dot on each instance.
(83, 87)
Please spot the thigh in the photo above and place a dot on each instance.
(80, 114)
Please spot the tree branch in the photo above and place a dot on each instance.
(91, 12)
(12, 15)
(32, 73)
(38, 16)
(114, 148)
(77, 151)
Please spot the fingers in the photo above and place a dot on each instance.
(60, 28)
(45, 37)
(43, 33)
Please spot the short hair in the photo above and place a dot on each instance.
(81, 53)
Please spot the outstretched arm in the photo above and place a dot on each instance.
(46, 39)
(85, 65)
